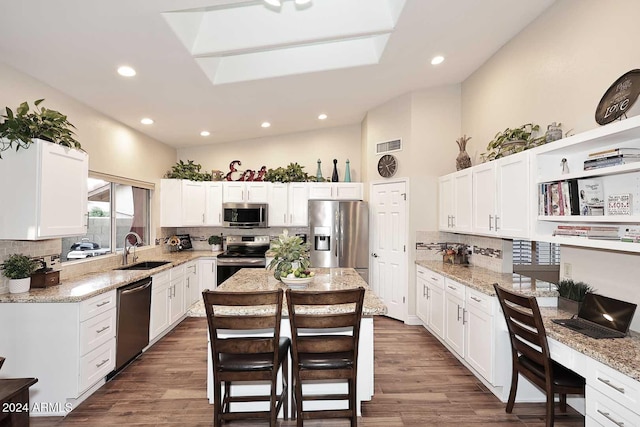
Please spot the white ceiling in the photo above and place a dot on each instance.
(228, 65)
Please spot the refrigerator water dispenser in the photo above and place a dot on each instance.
(322, 243)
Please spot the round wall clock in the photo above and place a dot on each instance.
(387, 166)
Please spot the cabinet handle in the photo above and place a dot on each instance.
(496, 222)
(610, 418)
(459, 312)
(433, 278)
(428, 295)
(490, 217)
(219, 218)
(476, 299)
(464, 311)
(101, 363)
(453, 221)
(448, 221)
(607, 382)
(290, 218)
(99, 331)
(421, 272)
(248, 195)
(424, 290)
(452, 287)
(102, 303)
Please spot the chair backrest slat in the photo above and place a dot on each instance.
(327, 344)
(245, 346)
(326, 321)
(248, 322)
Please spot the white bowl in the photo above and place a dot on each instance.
(296, 282)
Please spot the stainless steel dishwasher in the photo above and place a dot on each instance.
(134, 309)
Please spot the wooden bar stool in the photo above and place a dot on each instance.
(255, 354)
(325, 347)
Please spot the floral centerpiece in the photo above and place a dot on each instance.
(290, 256)
(454, 253)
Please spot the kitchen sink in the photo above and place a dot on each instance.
(144, 265)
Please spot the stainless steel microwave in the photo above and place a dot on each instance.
(245, 215)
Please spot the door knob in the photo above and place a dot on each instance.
(375, 255)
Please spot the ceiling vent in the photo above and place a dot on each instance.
(389, 146)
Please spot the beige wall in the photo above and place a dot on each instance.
(557, 69)
(305, 148)
(113, 148)
(428, 122)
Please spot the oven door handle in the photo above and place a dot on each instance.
(241, 262)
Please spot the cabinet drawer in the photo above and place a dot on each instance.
(96, 364)
(161, 278)
(621, 388)
(177, 272)
(97, 330)
(430, 276)
(453, 287)
(609, 412)
(480, 301)
(96, 305)
(567, 357)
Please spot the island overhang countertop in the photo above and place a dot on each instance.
(325, 279)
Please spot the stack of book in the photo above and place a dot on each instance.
(611, 157)
(591, 232)
(631, 235)
(559, 198)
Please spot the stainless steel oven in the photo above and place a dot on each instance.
(245, 215)
(242, 252)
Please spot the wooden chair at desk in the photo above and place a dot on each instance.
(530, 353)
(247, 358)
(14, 400)
(325, 354)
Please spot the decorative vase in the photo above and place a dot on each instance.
(463, 160)
(18, 286)
(215, 248)
(334, 176)
(347, 172)
(319, 172)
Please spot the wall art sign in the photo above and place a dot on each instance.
(619, 204)
(619, 98)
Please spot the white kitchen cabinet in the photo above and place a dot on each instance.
(46, 187)
(479, 333)
(245, 191)
(160, 301)
(69, 356)
(177, 294)
(501, 197)
(421, 296)
(454, 330)
(208, 277)
(430, 303)
(336, 191)
(288, 204)
(191, 284)
(455, 199)
(186, 203)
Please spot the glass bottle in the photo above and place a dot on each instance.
(319, 172)
(334, 177)
(347, 173)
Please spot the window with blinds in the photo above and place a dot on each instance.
(526, 252)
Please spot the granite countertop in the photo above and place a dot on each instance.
(326, 279)
(621, 354)
(90, 285)
(482, 279)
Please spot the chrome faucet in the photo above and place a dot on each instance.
(125, 251)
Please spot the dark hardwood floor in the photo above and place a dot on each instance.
(417, 383)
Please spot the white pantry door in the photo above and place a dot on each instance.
(388, 271)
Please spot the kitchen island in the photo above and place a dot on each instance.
(326, 279)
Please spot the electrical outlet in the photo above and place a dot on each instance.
(566, 268)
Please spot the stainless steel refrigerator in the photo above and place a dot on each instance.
(339, 235)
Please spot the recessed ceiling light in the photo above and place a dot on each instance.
(266, 124)
(126, 71)
(205, 133)
(437, 60)
(322, 116)
(146, 121)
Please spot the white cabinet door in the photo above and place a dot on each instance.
(233, 191)
(513, 196)
(193, 203)
(298, 204)
(160, 300)
(213, 199)
(170, 203)
(45, 187)
(207, 270)
(278, 204)
(320, 191)
(435, 309)
(479, 333)
(462, 202)
(454, 317)
(245, 192)
(191, 284)
(484, 198)
(347, 191)
(177, 299)
(421, 300)
(445, 202)
(257, 192)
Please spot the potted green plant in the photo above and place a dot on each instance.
(510, 141)
(292, 173)
(18, 269)
(215, 241)
(188, 170)
(289, 254)
(571, 294)
(21, 128)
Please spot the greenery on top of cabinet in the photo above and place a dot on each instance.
(23, 126)
(292, 173)
(189, 170)
(510, 141)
